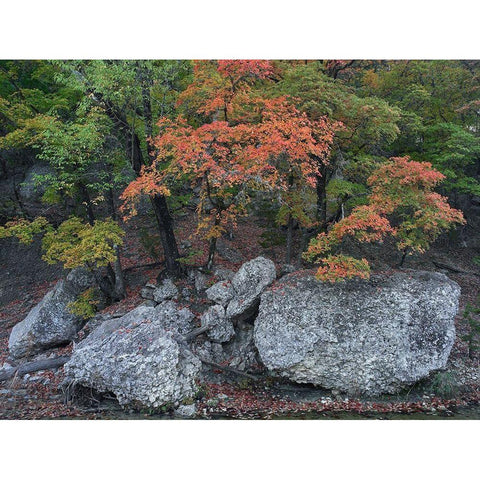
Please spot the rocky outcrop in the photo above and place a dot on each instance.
(248, 284)
(221, 293)
(220, 327)
(166, 291)
(239, 352)
(361, 337)
(141, 358)
(50, 323)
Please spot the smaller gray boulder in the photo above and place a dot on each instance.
(221, 329)
(166, 291)
(248, 283)
(220, 293)
(174, 319)
(50, 323)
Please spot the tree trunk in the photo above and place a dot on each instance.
(288, 255)
(134, 152)
(88, 204)
(213, 245)
(322, 201)
(211, 253)
(404, 256)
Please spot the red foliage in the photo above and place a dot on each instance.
(400, 188)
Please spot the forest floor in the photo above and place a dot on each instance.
(25, 278)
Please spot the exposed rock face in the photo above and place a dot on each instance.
(137, 358)
(174, 319)
(50, 323)
(361, 337)
(221, 328)
(30, 189)
(248, 284)
(166, 291)
(240, 352)
(221, 293)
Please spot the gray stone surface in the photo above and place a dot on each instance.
(31, 189)
(201, 281)
(108, 326)
(220, 292)
(240, 352)
(50, 323)
(141, 363)
(166, 291)
(186, 411)
(361, 337)
(174, 319)
(248, 283)
(221, 328)
(223, 273)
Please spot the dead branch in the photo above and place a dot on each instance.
(46, 364)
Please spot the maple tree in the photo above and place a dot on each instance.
(402, 204)
(225, 158)
(369, 124)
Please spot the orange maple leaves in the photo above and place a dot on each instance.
(223, 158)
(402, 189)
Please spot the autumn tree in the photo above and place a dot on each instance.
(74, 243)
(402, 204)
(369, 124)
(237, 149)
(132, 94)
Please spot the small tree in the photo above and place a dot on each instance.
(401, 204)
(74, 244)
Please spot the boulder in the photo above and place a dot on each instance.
(147, 291)
(50, 323)
(240, 352)
(174, 319)
(220, 293)
(201, 281)
(142, 363)
(101, 330)
(221, 328)
(31, 189)
(360, 337)
(166, 291)
(248, 284)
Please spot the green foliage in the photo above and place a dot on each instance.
(471, 316)
(444, 385)
(76, 244)
(24, 230)
(370, 122)
(86, 304)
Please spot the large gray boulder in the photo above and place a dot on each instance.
(140, 361)
(361, 337)
(248, 284)
(50, 323)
